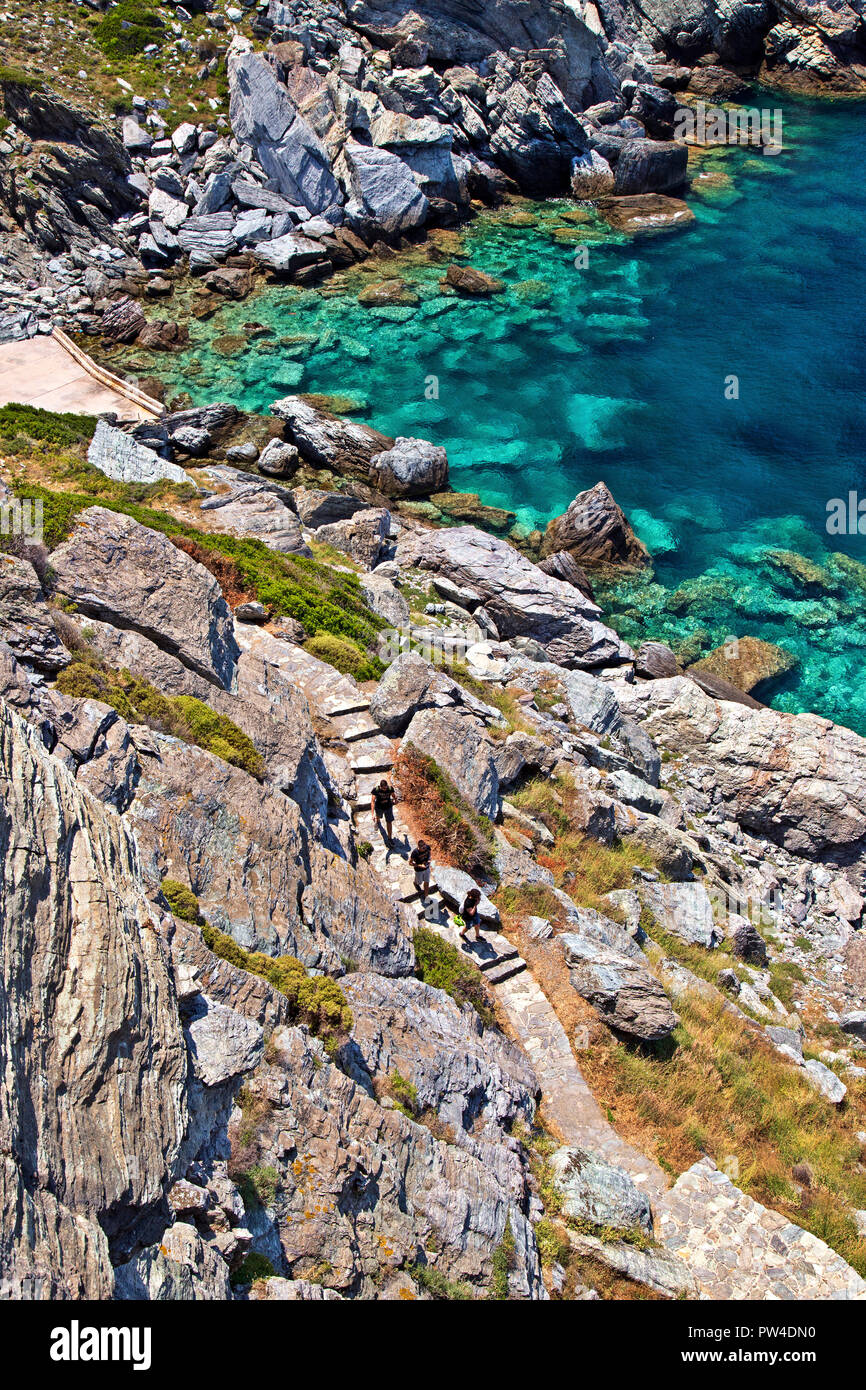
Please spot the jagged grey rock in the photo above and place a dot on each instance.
(458, 743)
(113, 568)
(286, 146)
(411, 468)
(464, 1071)
(594, 1190)
(521, 599)
(623, 991)
(119, 456)
(25, 618)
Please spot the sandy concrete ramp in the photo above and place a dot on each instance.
(53, 373)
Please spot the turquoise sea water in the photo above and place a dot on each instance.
(618, 371)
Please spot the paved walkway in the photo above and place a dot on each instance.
(714, 1241)
(41, 371)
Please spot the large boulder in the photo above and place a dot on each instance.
(381, 189)
(650, 166)
(360, 536)
(410, 468)
(521, 599)
(115, 569)
(458, 743)
(459, 1069)
(620, 988)
(118, 455)
(25, 618)
(746, 663)
(646, 214)
(264, 116)
(409, 684)
(594, 1190)
(94, 1089)
(329, 441)
(797, 779)
(254, 509)
(594, 530)
(683, 910)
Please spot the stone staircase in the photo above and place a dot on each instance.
(347, 732)
(710, 1231)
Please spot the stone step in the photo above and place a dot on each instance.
(505, 971)
(511, 954)
(372, 758)
(337, 709)
(352, 728)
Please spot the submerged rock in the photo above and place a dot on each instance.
(465, 279)
(646, 214)
(746, 662)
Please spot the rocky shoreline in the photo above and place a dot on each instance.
(353, 132)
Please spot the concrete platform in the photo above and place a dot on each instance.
(40, 371)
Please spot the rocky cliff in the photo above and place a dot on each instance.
(247, 1057)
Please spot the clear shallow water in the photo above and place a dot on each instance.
(618, 372)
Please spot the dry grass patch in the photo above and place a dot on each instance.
(457, 833)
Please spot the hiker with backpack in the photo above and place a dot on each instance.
(420, 861)
(470, 915)
(382, 808)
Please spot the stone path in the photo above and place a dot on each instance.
(737, 1249)
(568, 1102)
(729, 1245)
(51, 373)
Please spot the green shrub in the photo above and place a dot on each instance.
(434, 1282)
(503, 1263)
(404, 1094)
(127, 29)
(344, 655)
(253, 1267)
(139, 702)
(442, 966)
(316, 999)
(181, 899)
(17, 77)
(219, 735)
(63, 429)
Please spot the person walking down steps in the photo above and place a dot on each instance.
(471, 917)
(420, 861)
(382, 808)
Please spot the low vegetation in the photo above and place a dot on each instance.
(345, 656)
(316, 1000)
(252, 1268)
(136, 700)
(714, 1088)
(23, 425)
(456, 831)
(127, 29)
(441, 965)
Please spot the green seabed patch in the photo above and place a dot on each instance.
(617, 372)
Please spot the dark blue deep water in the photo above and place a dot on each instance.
(618, 371)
